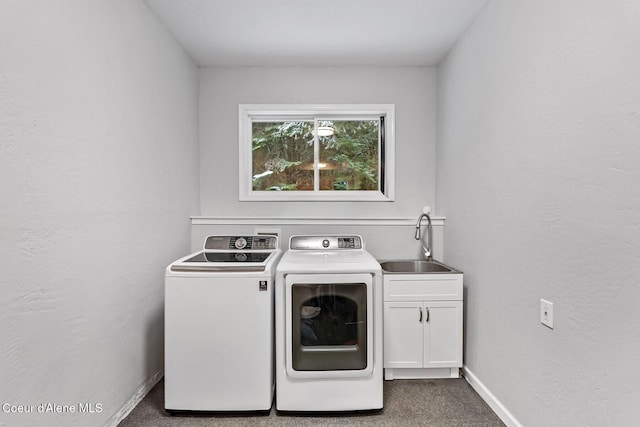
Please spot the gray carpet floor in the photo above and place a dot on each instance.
(442, 403)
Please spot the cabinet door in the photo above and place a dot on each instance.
(403, 334)
(443, 334)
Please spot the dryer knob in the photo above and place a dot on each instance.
(325, 243)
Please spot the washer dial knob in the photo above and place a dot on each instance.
(241, 243)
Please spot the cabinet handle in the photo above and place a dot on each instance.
(427, 308)
(420, 309)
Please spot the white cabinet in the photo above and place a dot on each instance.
(422, 325)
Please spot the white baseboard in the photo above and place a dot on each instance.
(135, 399)
(497, 406)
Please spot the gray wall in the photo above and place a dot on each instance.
(98, 178)
(538, 177)
(412, 90)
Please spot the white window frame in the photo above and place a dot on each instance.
(282, 112)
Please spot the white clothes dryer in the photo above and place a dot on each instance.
(219, 326)
(328, 326)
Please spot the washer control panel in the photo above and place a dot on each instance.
(310, 243)
(241, 243)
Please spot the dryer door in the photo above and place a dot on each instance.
(329, 325)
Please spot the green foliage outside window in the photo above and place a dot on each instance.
(283, 155)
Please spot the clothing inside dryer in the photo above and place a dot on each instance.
(334, 321)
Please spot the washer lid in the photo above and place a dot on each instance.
(231, 253)
(225, 262)
(233, 257)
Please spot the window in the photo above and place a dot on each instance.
(316, 152)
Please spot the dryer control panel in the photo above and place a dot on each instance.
(324, 243)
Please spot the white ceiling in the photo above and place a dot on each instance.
(316, 33)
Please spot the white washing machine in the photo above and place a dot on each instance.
(328, 326)
(219, 326)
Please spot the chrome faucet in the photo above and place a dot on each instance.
(427, 251)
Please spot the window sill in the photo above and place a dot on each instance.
(310, 196)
